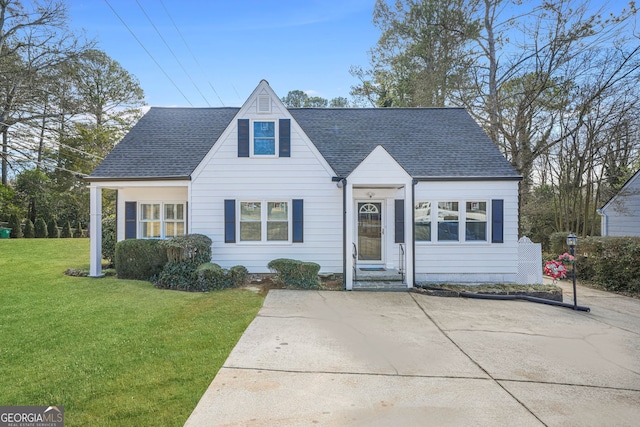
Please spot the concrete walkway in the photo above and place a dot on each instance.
(379, 359)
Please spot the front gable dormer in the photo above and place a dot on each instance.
(263, 132)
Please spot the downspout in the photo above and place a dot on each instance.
(413, 229)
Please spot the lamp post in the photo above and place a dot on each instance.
(572, 241)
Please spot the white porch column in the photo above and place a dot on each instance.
(348, 280)
(95, 231)
(408, 232)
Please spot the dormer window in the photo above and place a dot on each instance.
(264, 138)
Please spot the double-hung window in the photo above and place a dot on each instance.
(150, 221)
(476, 221)
(173, 219)
(264, 138)
(262, 221)
(448, 220)
(423, 221)
(162, 220)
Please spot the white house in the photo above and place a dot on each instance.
(620, 216)
(421, 190)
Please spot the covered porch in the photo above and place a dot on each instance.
(144, 209)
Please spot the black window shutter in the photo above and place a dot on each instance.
(399, 213)
(497, 221)
(229, 221)
(285, 137)
(298, 221)
(130, 221)
(243, 137)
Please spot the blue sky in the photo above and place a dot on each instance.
(293, 44)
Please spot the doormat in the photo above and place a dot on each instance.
(372, 269)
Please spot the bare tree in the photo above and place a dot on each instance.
(32, 42)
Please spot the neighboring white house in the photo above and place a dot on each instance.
(620, 216)
(418, 189)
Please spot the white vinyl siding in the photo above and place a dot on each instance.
(621, 216)
(470, 261)
(225, 176)
(154, 194)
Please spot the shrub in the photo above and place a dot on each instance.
(41, 229)
(238, 274)
(558, 242)
(177, 275)
(109, 238)
(29, 230)
(611, 262)
(210, 276)
(184, 255)
(52, 229)
(16, 226)
(139, 259)
(296, 274)
(66, 231)
(194, 248)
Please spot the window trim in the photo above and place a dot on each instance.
(276, 140)
(486, 221)
(462, 222)
(264, 203)
(162, 219)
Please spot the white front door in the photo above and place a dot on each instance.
(370, 232)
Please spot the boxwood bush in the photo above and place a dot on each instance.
(210, 276)
(296, 274)
(194, 248)
(139, 259)
(184, 255)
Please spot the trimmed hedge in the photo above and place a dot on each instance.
(610, 262)
(210, 276)
(296, 274)
(184, 255)
(139, 259)
(189, 248)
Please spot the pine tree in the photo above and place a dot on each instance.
(53, 230)
(29, 231)
(41, 228)
(66, 231)
(16, 226)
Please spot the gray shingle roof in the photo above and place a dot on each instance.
(166, 143)
(427, 142)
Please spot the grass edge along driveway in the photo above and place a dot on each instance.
(112, 352)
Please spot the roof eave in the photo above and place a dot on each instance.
(468, 178)
(138, 178)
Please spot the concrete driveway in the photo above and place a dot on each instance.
(379, 359)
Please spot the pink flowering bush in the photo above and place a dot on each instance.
(566, 259)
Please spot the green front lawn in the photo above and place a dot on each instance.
(112, 352)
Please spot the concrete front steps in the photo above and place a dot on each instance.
(386, 280)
